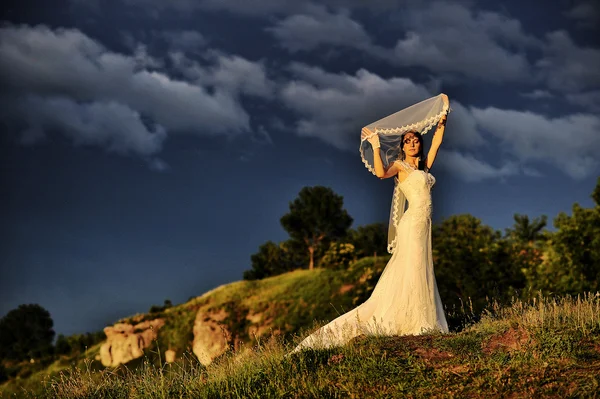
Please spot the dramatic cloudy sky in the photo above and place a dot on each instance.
(148, 147)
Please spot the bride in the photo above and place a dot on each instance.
(405, 300)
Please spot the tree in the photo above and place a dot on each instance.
(26, 333)
(525, 241)
(526, 231)
(472, 263)
(157, 309)
(273, 259)
(268, 261)
(315, 219)
(77, 343)
(571, 262)
(62, 346)
(339, 255)
(369, 240)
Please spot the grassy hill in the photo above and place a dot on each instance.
(546, 348)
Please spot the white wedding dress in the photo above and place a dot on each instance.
(405, 300)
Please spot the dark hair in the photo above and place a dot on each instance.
(419, 136)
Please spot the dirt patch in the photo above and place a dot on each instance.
(345, 288)
(433, 354)
(420, 345)
(509, 341)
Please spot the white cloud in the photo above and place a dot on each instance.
(570, 143)
(468, 168)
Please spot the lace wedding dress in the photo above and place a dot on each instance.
(405, 300)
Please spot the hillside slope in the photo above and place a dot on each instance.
(245, 311)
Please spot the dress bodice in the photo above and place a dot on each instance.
(417, 190)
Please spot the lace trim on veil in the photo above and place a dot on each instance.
(420, 117)
(423, 127)
(395, 214)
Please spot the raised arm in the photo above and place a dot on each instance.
(437, 138)
(380, 171)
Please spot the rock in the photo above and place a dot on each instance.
(125, 342)
(211, 338)
(170, 356)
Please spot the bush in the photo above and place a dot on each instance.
(339, 255)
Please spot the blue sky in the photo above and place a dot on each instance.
(149, 147)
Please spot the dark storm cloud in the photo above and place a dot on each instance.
(537, 94)
(586, 13)
(333, 107)
(261, 8)
(442, 37)
(451, 37)
(229, 73)
(568, 67)
(446, 39)
(184, 40)
(64, 71)
(589, 100)
(67, 62)
(108, 124)
(310, 30)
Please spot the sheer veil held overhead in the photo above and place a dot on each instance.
(420, 117)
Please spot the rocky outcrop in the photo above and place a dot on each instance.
(125, 342)
(211, 337)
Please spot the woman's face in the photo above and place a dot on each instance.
(411, 144)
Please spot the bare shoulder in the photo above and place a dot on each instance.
(403, 170)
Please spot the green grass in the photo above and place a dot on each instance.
(547, 348)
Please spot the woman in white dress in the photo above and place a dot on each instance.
(405, 300)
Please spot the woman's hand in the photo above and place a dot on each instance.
(374, 139)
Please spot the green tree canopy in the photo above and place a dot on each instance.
(571, 262)
(369, 240)
(26, 333)
(315, 219)
(527, 231)
(472, 263)
(268, 261)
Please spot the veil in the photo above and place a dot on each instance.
(420, 117)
